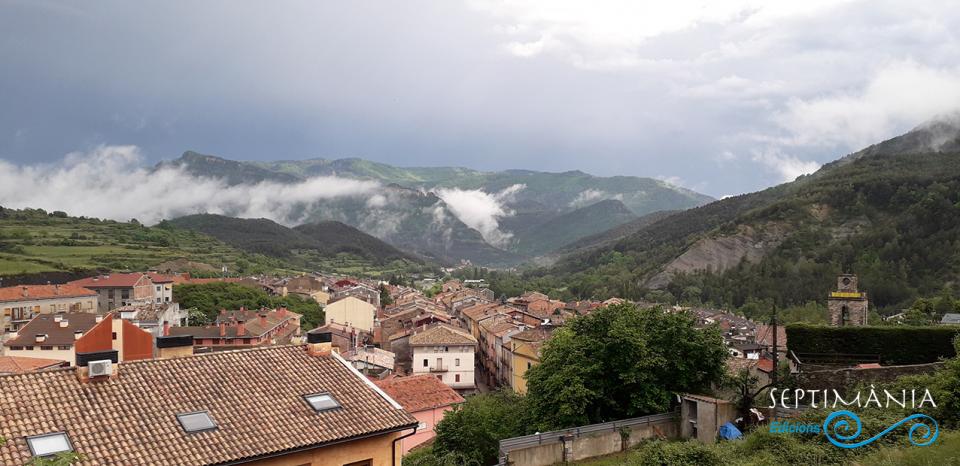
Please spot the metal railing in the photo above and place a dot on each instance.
(557, 436)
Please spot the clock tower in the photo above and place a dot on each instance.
(847, 305)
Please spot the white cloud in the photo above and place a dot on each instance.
(587, 197)
(787, 166)
(109, 182)
(482, 211)
(899, 95)
(608, 33)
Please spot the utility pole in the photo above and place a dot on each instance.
(776, 351)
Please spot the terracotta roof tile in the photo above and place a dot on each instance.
(442, 335)
(255, 396)
(20, 364)
(31, 292)
(114, 280)
(419, 392)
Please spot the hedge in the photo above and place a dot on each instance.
(895, 345)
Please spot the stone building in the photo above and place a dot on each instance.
(847, 305)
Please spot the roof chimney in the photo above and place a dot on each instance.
(64, 323)
(263, 320)
(41, 337)
(58, 317)
(241, 328)
(77, 334)
(99, 318)
(166, 328)
(223, 329)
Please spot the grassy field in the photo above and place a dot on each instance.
(33, 242)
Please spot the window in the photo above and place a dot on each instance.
(28, 348)
(322, 402)
(49, 444)
(199, 421)
(110, 294)
(114, 334)
(440, 377)
(46, 348)
(125, 294)
(63, 347)
(426, 363)
(456, 362)
(529, 365)
(16, 348)
(158, 287)
(456, 378)
(422, 426)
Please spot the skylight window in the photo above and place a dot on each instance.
(322, 402)
(49, 444)
(196, 422)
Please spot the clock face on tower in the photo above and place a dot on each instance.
(846, 281)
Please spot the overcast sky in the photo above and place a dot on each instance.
(720, 97)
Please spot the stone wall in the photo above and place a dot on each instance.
(573, 445)
(845, 378)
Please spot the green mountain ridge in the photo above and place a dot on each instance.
(890, 213)
(306, 244)
(417, 220)
(38, 244)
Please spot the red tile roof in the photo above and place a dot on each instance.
(31, 292)
(442, 334)
(113, 280)
(21, 364)
(419, 392)
(255, 397)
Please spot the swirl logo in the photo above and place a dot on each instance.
(837, 427)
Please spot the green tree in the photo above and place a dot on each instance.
(619, 362)
(209, 298)
(472, 433)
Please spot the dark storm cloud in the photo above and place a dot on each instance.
(723, 98)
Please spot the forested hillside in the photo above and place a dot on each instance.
(890, 214)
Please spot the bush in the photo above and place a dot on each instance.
(895, 345)
(659, 453)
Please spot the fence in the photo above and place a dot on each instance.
(588, 441)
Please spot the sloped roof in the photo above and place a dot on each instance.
(442, 335)
(113, 280)
(20, 364)
(419, 392)
(32, 292)
(255, 397)
(46, 324)
(376, 356)
(950, 318)
(252, 325)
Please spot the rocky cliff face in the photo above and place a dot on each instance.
(720, 253)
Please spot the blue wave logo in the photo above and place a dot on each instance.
(837, 428)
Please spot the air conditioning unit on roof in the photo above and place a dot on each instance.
(99, 368)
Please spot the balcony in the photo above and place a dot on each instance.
(440, 368)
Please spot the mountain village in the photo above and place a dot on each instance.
(92, 357)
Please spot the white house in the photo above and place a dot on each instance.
(447, 353)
